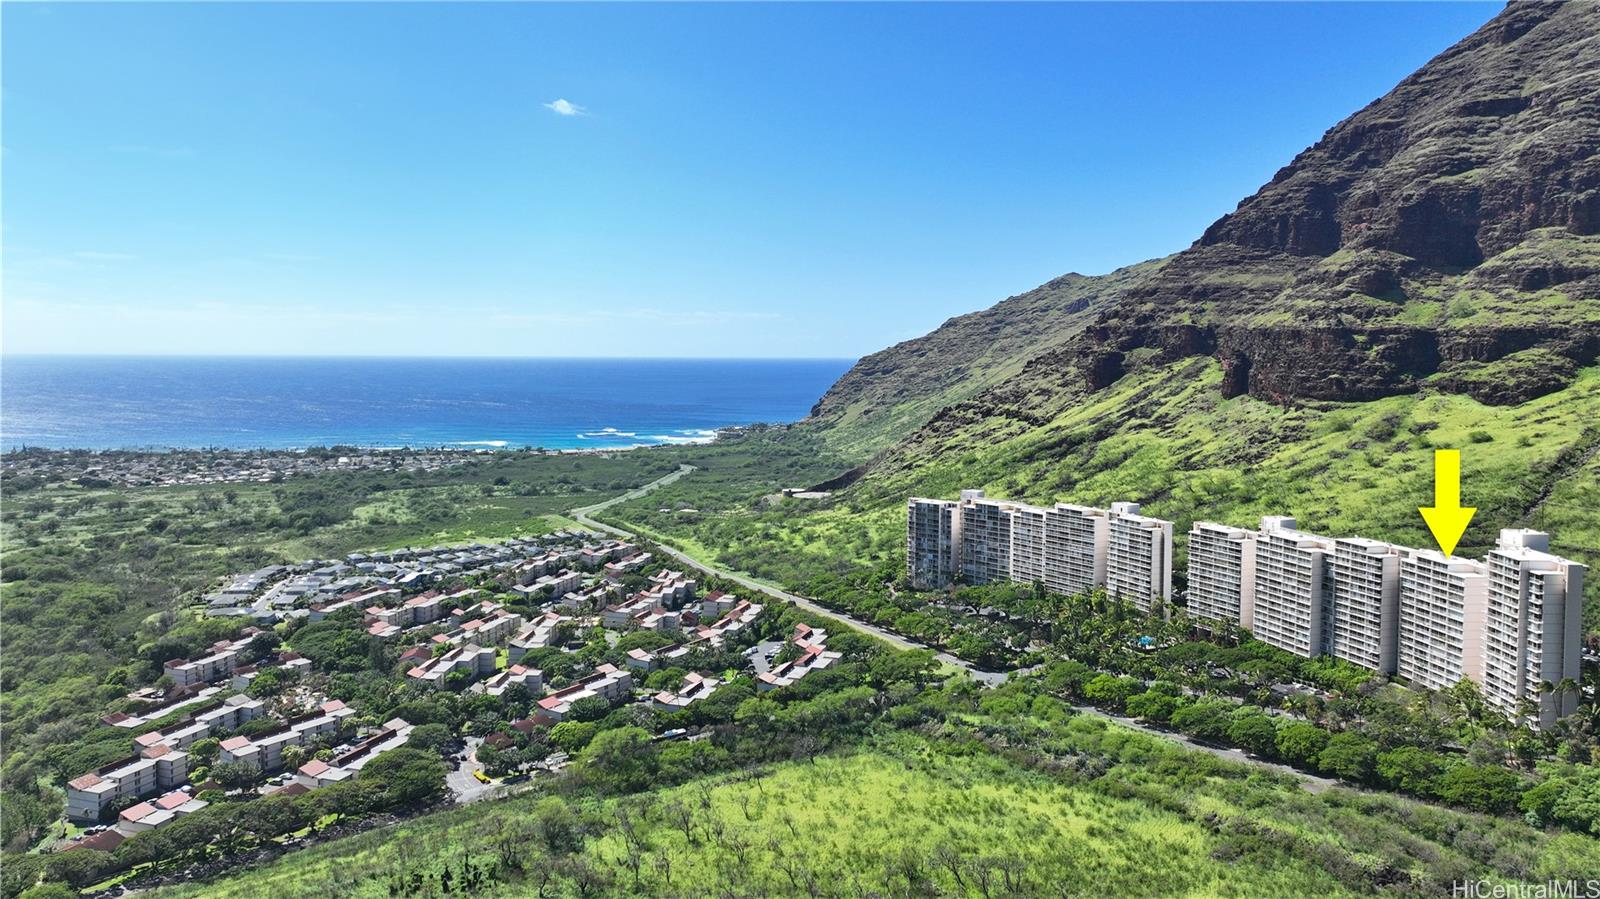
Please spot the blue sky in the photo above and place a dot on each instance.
(615, 180)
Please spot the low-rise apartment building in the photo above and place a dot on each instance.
(473, 659)
(515, 676)
(159, 768)
(540, 633)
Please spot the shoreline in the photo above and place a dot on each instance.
(466, 448)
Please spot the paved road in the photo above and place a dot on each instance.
(987, 678)
(463, 785)
(582, 516)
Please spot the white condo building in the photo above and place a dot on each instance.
(1533, 628)
(1291, 580)
(1075, 544)
(1222, 573)
(1442, 605)
(1512, 624)
(931, 532)
(1138, 557)
(1363, 608)
(984, 554)
(1027, 543)
(1070, 549)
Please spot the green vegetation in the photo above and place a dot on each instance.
(96, 580)
(1166, 438)
(954, 792)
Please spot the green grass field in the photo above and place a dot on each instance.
(913, 816)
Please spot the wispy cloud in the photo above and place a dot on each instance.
(562, 107)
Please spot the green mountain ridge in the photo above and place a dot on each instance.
(1426, 275)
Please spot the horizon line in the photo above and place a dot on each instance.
(428, 357)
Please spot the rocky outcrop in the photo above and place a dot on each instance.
(1476, 177)
(1445, 237)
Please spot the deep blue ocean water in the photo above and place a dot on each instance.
(101, 402)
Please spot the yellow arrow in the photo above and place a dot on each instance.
(1447, 518)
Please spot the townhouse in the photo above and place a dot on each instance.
(473, 659)
(814, 656)
(694, 688)
(514, 676)
(316, 773)
(156, 812)
(608, 682)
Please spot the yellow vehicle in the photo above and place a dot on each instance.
(482, 778)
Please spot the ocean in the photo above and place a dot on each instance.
(121, 402)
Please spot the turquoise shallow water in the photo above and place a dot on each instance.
(100, 402)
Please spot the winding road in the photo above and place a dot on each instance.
(584, 517)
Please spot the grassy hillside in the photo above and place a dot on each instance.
(1165, 437)
(894, 391)
(1093, 810)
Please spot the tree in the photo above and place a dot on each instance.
(1153, 706)
(79, 867)
(557, 826)
(431, 738)
(1300, 742)
(235, 775)
(572, 736)
(1410, 768)
(1205, 720)
(1109, 690)
(620, 760)
(204, 751)
(684, 760)
(1253, 729)
(589, 708)
(1484, 788)
(408, 777)
(1349, 755)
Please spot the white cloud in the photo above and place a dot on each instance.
(562, 107)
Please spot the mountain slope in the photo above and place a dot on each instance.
(1427, 274)
(893, 391)
(1453, 223)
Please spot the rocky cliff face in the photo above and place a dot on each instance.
(1454, 220)
(1444, 238)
